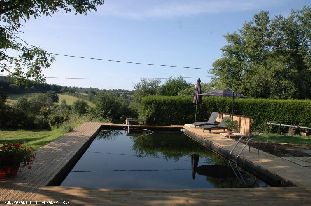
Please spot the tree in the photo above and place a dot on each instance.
(173, 86)
(145, 88)
(21, 60)
(107, 106)
(53, 96)
(80, 107)
(269, 58)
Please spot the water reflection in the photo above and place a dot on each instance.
(217, 171)
(170, 145)
(162, 160)
(224, 175)
(108, 134)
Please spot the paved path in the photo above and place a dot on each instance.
(297, 174)
(244, 196)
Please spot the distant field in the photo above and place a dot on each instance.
(71, 99)
(68, 98)
(12, 98)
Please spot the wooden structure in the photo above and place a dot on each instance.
(244, 123)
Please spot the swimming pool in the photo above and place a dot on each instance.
(154, 160)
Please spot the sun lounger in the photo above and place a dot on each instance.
(221, 125)
(211, 120)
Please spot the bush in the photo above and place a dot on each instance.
(60, 114)
(163, 110)
(40, 122)
(80, 107)
(112, 108)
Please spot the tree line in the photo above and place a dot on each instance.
(268, 57)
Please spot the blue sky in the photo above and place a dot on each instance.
(171, 32)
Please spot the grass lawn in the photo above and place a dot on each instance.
(276, 138)
(38, 138)
(35, 139)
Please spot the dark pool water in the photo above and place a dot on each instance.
(154, 160)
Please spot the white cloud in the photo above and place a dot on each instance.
(140, 9)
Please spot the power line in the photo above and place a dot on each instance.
(74, 78)
(126, 62)
(155, 78)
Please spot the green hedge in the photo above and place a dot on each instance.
(164, 110)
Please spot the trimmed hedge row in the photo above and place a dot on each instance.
(164, 110)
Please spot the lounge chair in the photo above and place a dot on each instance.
(221, 125)
(211, 120)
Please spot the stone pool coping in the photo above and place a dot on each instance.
(267, 166)
(57, 157)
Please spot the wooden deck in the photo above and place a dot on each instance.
(55, 158)
(51, 161)
(243, 196)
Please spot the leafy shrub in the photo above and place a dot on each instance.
(163, 110)
(80, 107)
(60, 114)
(231, 125)
(40, 122)
(111, 107)
(53, 96)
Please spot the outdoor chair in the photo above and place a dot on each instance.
(221, 125)
(211, 120)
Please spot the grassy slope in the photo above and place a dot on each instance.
(39, 138)
(34, 139)
(12, 98)
(68, 98)
(275, 138)
(71, 99)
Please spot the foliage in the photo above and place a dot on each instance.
(71, 99)
(173, 86)
(80, 107)
(163, 110)
(152, 87)
(146, 88)
(31, 113)
(35, 111)
(60, 114)
(230, 124)
(112, 107)
(38, 138)
(15, 154)
(53, 96)
(268, 58)
(28, 61)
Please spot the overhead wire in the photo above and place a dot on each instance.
(126, 62)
